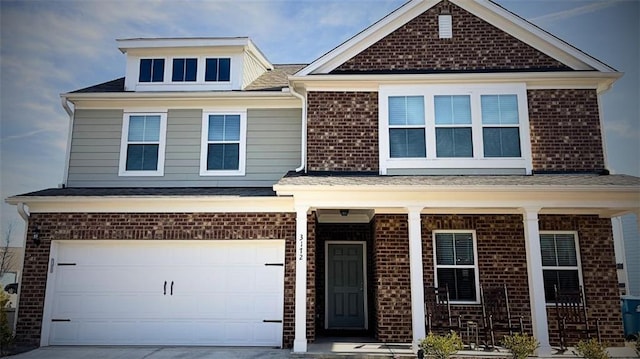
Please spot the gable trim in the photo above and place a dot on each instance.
(484, 9)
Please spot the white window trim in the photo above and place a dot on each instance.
(122, 171)
(474, 266)
(578, 257)
(205, 141)
(478, 161)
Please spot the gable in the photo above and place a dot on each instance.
(476, 46)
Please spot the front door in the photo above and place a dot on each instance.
(345, 286)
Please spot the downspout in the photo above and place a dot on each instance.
(71, 113)
(303, 149)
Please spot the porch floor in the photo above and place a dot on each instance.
(368, 348)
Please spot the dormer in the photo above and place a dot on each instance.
(191, 64)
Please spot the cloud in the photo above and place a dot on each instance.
(567, 14)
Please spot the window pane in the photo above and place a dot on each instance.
(501, 141)
(191, 69)
(406, 110)
(158, 70)
(144, 129)
(211, 71)
(406, 143)
(464, 249)
(453, 142)
(563, 279)
(145, 70)
(461, 283)
(452, 109)
(444, 249)
(548, 249)
(566, 247)
(222, 156)
(224, 128)
(142, 158)
(232, 128)
(499, 109)
(216, 128)
(224, 69)
(178, 70)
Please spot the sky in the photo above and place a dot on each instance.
(49, 47)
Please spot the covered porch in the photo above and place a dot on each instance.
(396, 222)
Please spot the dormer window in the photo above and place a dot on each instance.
(151, 70)
(184, 70)
(218, 69)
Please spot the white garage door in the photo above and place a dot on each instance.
(168, 293)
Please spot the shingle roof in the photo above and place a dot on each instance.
(538, 180)
(275, 79)
(153, 192)
(116, 85)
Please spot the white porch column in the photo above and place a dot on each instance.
(416, 276)
(536, 283)
(300, 338)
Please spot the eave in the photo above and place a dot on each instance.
(601, 81)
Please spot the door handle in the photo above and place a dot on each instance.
(171, 287)
(165, 287)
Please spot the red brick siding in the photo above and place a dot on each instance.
(393, 299)
(476, 45)
(501, 257)
(342, 132)
(565, 130)
(598, 272)
(142, 226)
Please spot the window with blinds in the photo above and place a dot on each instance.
(223, 148)
(406, 127)
(143, 142)
(456, 264)
(560, 263)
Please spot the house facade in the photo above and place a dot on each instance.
(214, 198)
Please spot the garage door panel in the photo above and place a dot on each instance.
(113, 293)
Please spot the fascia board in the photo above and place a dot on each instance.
(152, 43)
(569, 79)
(532, 35)
(258, 55)
(367, 37)
(165, 204)
(175, 95)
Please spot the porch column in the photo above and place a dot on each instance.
(416, 276)
(300, 338)
(536, 283)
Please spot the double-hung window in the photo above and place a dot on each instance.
(453, 126)
(432, 129)
(217, 70)
(500, 125)
(406, 127)
(142, 144)
(560, 262)
(151, 70)
(184, 70)
(223, 144)
(456, 264)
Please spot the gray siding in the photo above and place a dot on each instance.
(273, 148)
(632, 253)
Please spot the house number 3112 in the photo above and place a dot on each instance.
(301, 247)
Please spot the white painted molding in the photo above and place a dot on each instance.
(300, 332)
(416, 276)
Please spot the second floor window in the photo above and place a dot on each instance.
(218, 70)
(151, 70)
(406, 126)
(453, 126)
(456, 264)
(223, 144)
(184, 70)
(143, 142)
(500, 125)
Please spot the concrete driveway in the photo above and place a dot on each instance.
(96, 352)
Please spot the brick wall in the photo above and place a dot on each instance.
(598, 272)
(342, 131)
(393, 299)
(565, 130)
(143, 226)
(476, 45)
